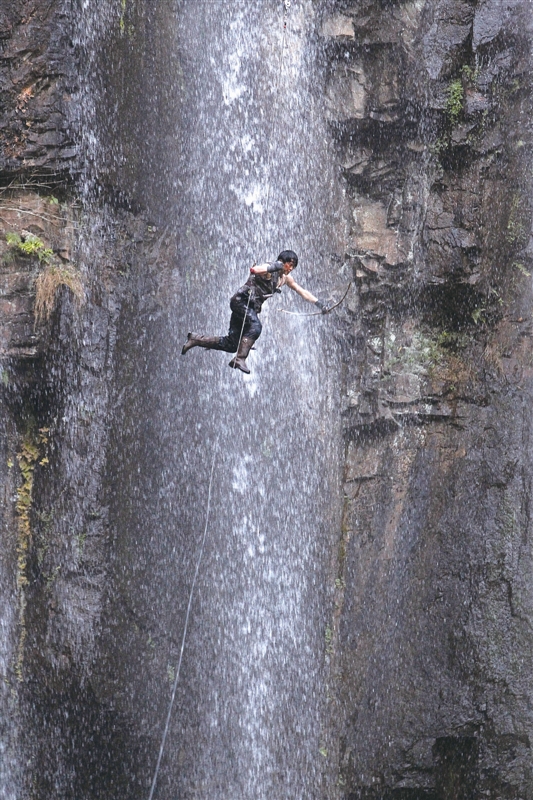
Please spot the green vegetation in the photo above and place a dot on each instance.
(521, 268)
(478, 314)
(42, 535)
(470, 73)
(29, 455)
(455, 96)
(452, 340)
(516, 228)
(50, 578)
(52, 276)
(455, 101)
(122, 24)
(130, 30)
(81, 538)
(329, 640)
(29, 245)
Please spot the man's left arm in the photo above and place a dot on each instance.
(291, 283)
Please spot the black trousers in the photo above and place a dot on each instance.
(244, 318)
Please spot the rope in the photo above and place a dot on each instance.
(174, 687)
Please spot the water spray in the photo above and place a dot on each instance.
(176, 679)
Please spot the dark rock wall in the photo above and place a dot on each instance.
(57, 390)
(38, 78)
(430, 104)
(429, 645)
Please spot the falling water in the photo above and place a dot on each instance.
(252, 175)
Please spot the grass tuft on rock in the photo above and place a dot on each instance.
(47, 284)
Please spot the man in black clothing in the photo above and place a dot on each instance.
(245, 326)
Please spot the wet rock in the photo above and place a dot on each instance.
(37, 77)
(440, 364)
(338, 27)
(490, 18)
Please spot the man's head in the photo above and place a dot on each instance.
(288, 256)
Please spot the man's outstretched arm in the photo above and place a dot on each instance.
(291, 283)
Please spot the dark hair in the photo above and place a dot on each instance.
(288, 255)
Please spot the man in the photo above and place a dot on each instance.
(245, 327)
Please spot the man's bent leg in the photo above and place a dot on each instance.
(198, 340)
(251, 331)
(239, 362)
(244, 323)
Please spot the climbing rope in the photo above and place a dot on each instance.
(175, 685)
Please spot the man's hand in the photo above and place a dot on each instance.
(323, 308)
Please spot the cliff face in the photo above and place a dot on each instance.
(60, 255)
(431, 105)
(429, 640)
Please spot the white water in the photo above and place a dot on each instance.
(255, 180)
(246, 174)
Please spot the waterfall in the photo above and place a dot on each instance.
(252, 177)
(339, 542)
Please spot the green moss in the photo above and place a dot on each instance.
(129, 29)
(122, 24)
(422, 353)
(329, 639)
(441, 144)
(51, 577)
(516, 227)
(28, 456)
(455, 95)
(42, 535)
(521, 268)
(470, 73)
(81, 538)
(478, 314)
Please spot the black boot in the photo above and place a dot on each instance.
(198, 340)
(239, 362)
